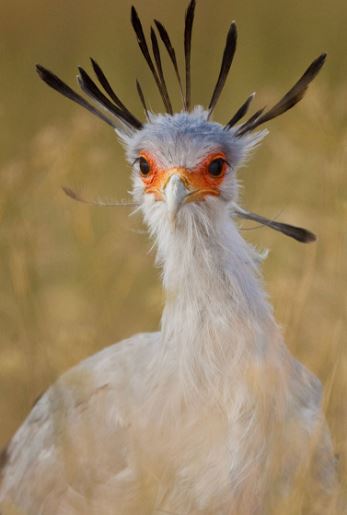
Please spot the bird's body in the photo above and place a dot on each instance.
(211, 415)
(177, 421)
(170, 422)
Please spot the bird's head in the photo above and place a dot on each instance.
(184, 160)
(184, 163)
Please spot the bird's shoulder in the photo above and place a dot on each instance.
(92, 398)
(115, 367)
(99, 376)
(307, 390)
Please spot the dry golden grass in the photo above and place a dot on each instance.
(75, 279)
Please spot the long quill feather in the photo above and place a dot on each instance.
(297, 233)
(54, 82)
(188, 30)
(228, 56)
(290, 99)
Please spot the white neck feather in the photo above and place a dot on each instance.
(220, 371)
(216, 312)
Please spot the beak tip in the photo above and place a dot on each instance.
(174, 193)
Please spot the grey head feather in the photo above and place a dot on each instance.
(184, 139)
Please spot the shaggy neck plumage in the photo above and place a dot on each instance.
(216, 312)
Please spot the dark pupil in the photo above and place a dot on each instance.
(216, 167)
(144, 166)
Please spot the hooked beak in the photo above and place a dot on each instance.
(175, 193)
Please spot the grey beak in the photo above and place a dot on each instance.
(175, 192)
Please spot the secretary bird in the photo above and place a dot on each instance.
(210, 415)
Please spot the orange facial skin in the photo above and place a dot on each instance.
(198, 181)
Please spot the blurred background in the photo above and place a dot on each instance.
(76, 278)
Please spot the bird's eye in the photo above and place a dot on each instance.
(215, 168)
(145, 167)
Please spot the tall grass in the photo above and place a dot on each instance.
(75, 279)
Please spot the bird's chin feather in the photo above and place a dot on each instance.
(202, 214)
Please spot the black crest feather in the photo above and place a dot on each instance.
(142, 97)
(240, 113)
(157, 57)
(106, 85)
(54, 82)
(141, 39)
(250, 122)
(91, 89)
(171, 51)
(228, 56)
(290, 99)
(188, 30)
(108, 100)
